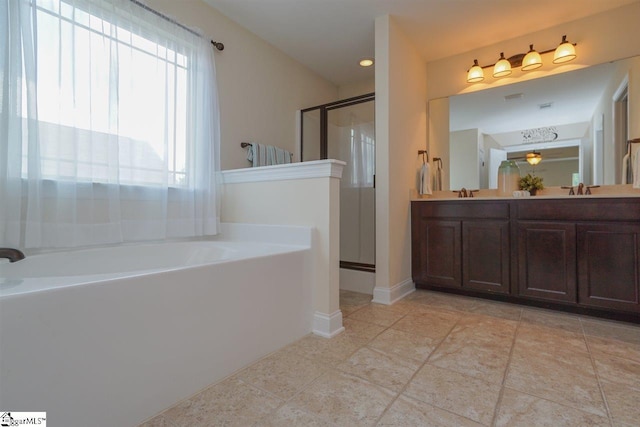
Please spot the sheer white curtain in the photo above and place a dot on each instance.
(109, 125)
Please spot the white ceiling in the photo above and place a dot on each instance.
(331, 36)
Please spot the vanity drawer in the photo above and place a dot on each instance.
(579, 209)
(474, 209)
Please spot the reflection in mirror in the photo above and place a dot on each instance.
(575, 120)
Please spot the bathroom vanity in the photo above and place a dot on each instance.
(579, 254)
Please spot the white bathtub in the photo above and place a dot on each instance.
(112, 336)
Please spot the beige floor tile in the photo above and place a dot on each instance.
(481, 358)
(540, 339)
(567, 379)
(350, 302)
(325, 351)
(550, 319)
(401, 306)
(406, 411)
(495, 309)
(434, 324)
(282, 374)
(612, 330)
(461, 394)
(378, 315)
(229, 403)
(351, 379)
(477, 326)
(354, 298)
(618, 370)
(344, 399)
(623, 403)
(446, 301)
(391, 372)
(348, 310)
(404, 344)
(519, 409)
(417, 294)
(289, 415)
(158, 421)
(614, 347)
(361, 331)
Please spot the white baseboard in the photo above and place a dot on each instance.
(357, 281)
(390, 295)
(327, 325)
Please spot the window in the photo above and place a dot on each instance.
(114, 90)
(109, 127)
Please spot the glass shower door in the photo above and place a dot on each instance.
(351, 138)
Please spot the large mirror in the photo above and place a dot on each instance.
(577, 122)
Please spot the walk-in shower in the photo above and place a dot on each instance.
(345, 130)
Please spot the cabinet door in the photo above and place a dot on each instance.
(440, 253)
(485, 256)
(608, 266)
(547, 260)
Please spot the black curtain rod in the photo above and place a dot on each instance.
(218, 45)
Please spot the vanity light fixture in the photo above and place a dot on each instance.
(475, 73)
(533, 158)
(532, 60)
(502, 67)
(366, 62)
(565, 52)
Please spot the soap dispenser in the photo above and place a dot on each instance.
(508, 178)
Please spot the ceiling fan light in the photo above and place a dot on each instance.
(502, 67)
(533, 158)
(476, 74)
(565, 52)
(532, 60)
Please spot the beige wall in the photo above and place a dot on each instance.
(601, 38)
(260, 88)
(355, 89)
(604, 37)
(401, 127)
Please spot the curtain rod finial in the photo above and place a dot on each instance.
(218, 45)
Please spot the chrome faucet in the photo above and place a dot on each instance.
(12, 254)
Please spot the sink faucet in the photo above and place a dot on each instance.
(12, 254)
(581, 189)
(463, 192)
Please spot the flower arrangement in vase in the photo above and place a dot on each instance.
(531, 183)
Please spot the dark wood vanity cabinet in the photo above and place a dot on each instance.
(439, 258)
(547, 260)
(461, 245)
(609, 266)
(579, 254)
(486, 255)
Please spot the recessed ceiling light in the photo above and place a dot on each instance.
(366, 62)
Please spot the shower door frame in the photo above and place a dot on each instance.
(324, 150)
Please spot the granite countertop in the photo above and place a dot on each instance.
(602, 192)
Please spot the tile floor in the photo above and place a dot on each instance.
(434, 359)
